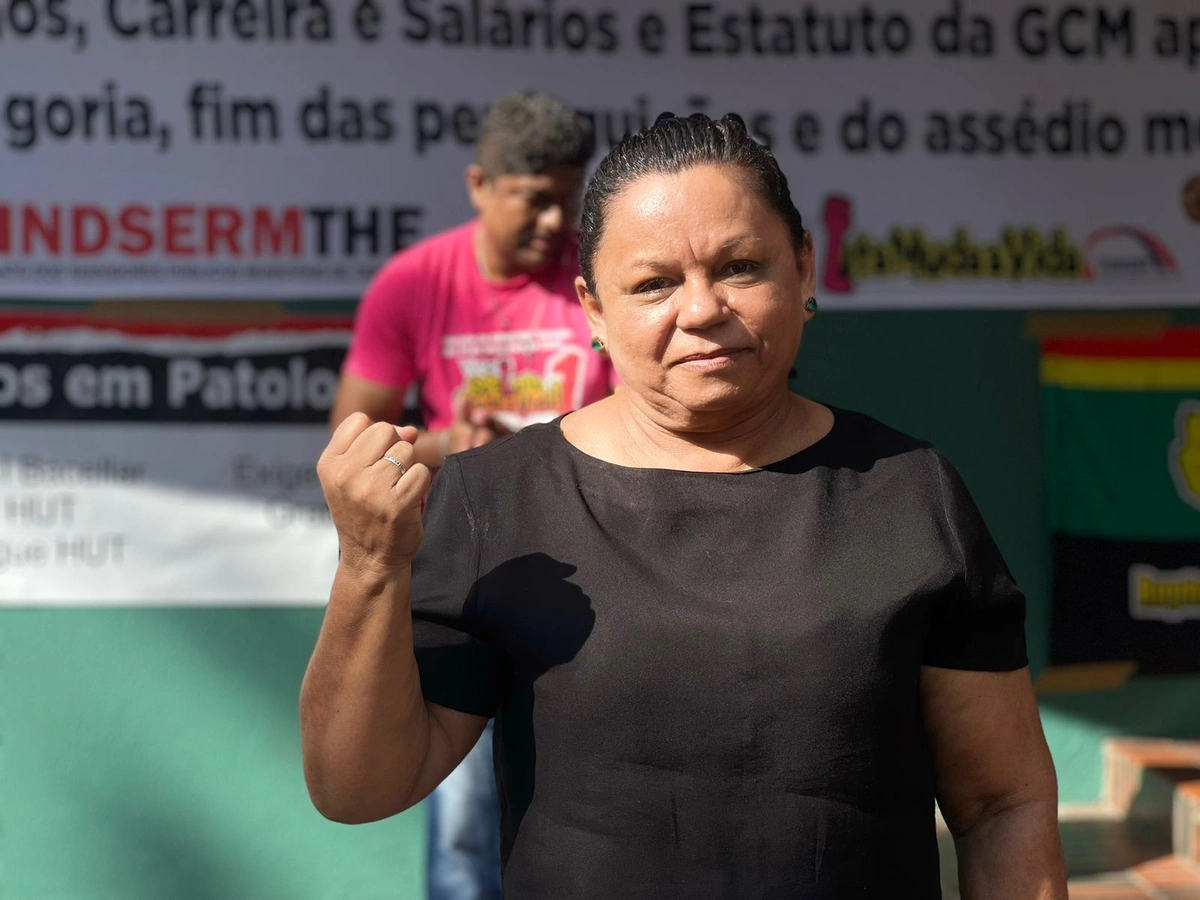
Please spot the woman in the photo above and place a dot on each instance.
(735, 641)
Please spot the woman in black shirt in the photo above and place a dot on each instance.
(735, 641)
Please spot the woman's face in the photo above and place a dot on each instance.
(700, 292)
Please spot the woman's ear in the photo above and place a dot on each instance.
(806, 263)
(591, 308)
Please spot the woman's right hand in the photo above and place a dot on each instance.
(375, 504)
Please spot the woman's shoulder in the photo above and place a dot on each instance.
(859, 434)
(512, 457)
(871, 446)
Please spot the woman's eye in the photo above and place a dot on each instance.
(649, 287)
(741, 267)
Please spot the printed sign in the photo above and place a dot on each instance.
(945, 153)
(165, 468)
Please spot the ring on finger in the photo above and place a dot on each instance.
(395, 462)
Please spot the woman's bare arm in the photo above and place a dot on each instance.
(371, 745)
(995, 783)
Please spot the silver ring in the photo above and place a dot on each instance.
(395, 462)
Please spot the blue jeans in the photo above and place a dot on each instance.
(464, 830)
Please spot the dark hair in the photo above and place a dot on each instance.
(673, 144)
(527, 133)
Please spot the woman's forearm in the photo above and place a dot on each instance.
(1014, 854)
(364, 724)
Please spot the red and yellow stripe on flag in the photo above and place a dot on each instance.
(1122, 452)
(1168, 362)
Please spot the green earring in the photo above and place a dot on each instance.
(811, 304)
(597, 345)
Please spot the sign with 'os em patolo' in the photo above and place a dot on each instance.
(165, 466)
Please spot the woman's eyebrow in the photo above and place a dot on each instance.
(652, 262)
(647, 262)
(743, 239)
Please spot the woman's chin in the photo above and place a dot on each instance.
(714, 396)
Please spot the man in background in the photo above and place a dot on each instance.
(483, 322)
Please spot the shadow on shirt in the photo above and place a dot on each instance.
(520, 620)
(538, 619)
(529, 609)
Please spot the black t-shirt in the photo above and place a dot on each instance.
(706, 684)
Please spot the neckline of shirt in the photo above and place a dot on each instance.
(791, 463)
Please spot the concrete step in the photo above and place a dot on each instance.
(1185, 821)
(1157, 783)
(1108, 858)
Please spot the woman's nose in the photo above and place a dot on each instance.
(701, 306)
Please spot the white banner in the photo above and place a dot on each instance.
(165, 470)
(946, 153)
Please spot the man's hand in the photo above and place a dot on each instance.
(473, 427)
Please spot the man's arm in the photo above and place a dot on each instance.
(995, 783)
(381, 402)
(382, 346)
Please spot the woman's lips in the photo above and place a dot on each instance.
(712, 359)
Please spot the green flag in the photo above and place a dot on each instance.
(1122, 441)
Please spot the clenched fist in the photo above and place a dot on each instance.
(374, 490)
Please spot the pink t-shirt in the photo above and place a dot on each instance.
(521, 348)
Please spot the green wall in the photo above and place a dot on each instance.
(150, 754)
(154, 755)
